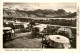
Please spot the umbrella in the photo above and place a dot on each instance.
(59, 41)
(7, 28)
(59, 38)
(41, 27)
(66, 30)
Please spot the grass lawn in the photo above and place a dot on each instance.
(23, 40)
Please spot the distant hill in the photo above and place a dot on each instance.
(60, 13)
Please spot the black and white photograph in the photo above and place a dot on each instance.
(40, 25)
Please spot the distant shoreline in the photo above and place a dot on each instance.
(38, 18)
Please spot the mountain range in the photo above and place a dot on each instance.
(47, 13)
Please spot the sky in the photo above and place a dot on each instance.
(69, 7)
